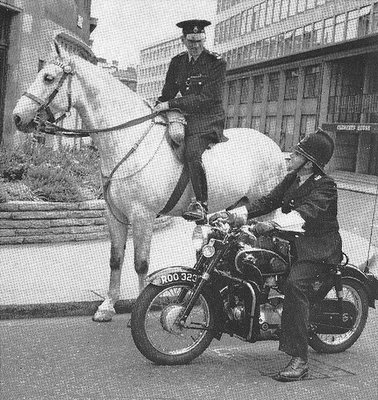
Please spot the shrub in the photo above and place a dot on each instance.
(65, 174)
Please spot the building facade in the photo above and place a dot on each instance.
(154, 62)
(127, 76)
(294, 65)
(28, 29)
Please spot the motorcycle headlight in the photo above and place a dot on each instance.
(200, 236)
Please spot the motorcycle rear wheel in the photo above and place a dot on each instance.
(337, 343)
(155, 330)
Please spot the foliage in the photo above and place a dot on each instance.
(41, 173)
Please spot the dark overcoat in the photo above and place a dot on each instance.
(316, 202)
(201, 86)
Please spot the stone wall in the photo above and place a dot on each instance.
(23, 222)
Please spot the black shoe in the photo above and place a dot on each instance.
(296, 370)
(196, 212)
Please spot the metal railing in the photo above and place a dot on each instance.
(354, 108)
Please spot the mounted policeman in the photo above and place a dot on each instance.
(199, 76)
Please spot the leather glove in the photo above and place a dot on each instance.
(223, 216)
(262, 228)
(161, 107)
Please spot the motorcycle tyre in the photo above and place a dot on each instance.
(319, 346)
(141, 339)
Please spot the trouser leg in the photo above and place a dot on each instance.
(295, 316)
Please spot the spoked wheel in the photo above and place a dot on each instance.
(157, 332)
(335, 343)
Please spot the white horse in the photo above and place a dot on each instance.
(248, 164)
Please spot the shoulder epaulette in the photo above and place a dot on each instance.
(182, 54)
(216, 55)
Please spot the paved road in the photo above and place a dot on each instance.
(75, 358)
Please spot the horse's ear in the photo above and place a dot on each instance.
(57, 49)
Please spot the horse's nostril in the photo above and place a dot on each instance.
(17, 119)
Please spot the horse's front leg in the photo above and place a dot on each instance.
(118, 237)
(142, 236)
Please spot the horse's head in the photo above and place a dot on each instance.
(48, 95)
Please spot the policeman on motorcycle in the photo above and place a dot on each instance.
(308, 196)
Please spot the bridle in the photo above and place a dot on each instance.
(45, 105)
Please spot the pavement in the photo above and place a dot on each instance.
(46, 280)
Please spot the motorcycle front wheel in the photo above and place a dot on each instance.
(354, 292)
(155, 328)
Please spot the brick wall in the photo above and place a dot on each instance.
(25, 222)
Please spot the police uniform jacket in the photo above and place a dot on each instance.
(201, 87)
(316, 202)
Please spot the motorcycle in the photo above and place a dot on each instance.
(237, 287)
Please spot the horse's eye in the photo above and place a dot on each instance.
(48, 78)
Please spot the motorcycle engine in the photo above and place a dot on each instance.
(270, 318)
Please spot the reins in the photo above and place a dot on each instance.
(51, 128)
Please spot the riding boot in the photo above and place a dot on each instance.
(197, 210)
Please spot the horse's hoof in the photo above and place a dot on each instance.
(103, 316)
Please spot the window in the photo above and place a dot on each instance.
(246, 53)
(277, 9)
(298, 38)
(288, 38)
(280, 44)
(232, 28)
(317, 33)
(243, 23)
(274, 86)
(265, 48)
(269, 12)
(284, 9)
(301, 6)
(328, 31)
(237, 25)
(270, 125)
(291, 86)
(340, 28)
(262, 15)
(252, 52)
(287, 132)
(258, 50)
(308, 125)
(244, 90)
(374, 24)
(364, 21)
(258, 88)
(292, 7)
(231, 92)
(273, 47)
(256, 17)
(250, 16)
(352, 24)
(311, 81)
(242, 121)
(228, 122)
(255, 123)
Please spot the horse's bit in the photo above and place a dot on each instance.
(45, 105)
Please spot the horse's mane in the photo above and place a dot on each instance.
(99, 80)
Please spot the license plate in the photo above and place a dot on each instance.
(178, 277)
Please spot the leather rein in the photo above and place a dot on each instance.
(49, 126)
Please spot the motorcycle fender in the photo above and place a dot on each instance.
(350, 271)
(174, 274)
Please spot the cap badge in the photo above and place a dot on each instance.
(195, 29)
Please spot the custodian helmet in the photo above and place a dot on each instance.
(316, 147)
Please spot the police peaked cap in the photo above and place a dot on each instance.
(316, 147)
(194, 29)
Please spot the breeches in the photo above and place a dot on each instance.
(195, 145)
(296, 309)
